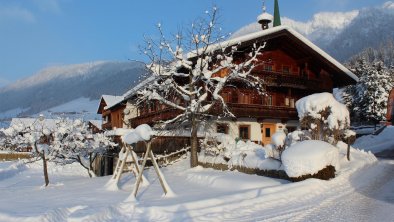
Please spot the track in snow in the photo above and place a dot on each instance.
(368, 196)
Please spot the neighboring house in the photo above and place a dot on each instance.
(390, 109)
(111, 109)
(292, 67)
(96, 126)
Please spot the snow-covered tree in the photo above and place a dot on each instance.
(36, 136)
(74, 142)
(367, 100)
(192, 82)
(376, 85)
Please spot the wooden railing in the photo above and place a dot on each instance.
(279, 79)
(262, 111)
(239, 110)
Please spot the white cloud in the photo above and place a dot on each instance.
(16, 13)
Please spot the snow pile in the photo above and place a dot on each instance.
(309, 157)
(377, 143)
(242, 154)
(314, 104)
(142, 133)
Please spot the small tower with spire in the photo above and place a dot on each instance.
(277, 21)
(264, 19)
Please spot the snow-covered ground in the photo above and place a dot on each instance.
(201, 194)
(377, 143)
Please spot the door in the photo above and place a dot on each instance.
(267, 130)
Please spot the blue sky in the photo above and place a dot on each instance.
(35, 34)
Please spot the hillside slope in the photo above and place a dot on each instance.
(55, 86)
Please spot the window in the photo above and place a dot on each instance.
(267, 132)
(287, 101)
(286, 69)
(292, 101)
(244, 98)
(244, 132)
(291, 129)
(269, 68)
(268, 101)
(222, 128)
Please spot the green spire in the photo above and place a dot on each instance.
(277, 21)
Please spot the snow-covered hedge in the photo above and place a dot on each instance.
(309, 157)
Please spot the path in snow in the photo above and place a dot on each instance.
(368, 197)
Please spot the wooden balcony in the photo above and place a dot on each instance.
(263, 112)
(153, 117)
(278, 79)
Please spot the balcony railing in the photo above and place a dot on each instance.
(279, 79)
(239, 110)
(262, 111)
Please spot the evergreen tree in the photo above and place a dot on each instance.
(367, 100)
(376, 85)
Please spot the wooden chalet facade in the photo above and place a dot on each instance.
(291, 66)
(390, 109)
(111, 109)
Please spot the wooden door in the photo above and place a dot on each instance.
(267, 130)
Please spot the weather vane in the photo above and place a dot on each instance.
(264, 8)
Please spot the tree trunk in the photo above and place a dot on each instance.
(194, 142)
(44, 162)
(79, 159)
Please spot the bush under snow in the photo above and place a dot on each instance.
(325, 117)
(314, 104)
(223, 149)
(309, 157)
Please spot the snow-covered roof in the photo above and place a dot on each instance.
(260, 34)
(112, 101)
(96, 123)
(134, 90)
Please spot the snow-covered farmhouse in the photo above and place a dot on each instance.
(111, 109)
(291, 66)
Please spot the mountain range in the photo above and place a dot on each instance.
(52, 87)
(342, 34)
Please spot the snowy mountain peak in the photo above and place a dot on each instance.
(320, 25)
(388, 5)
